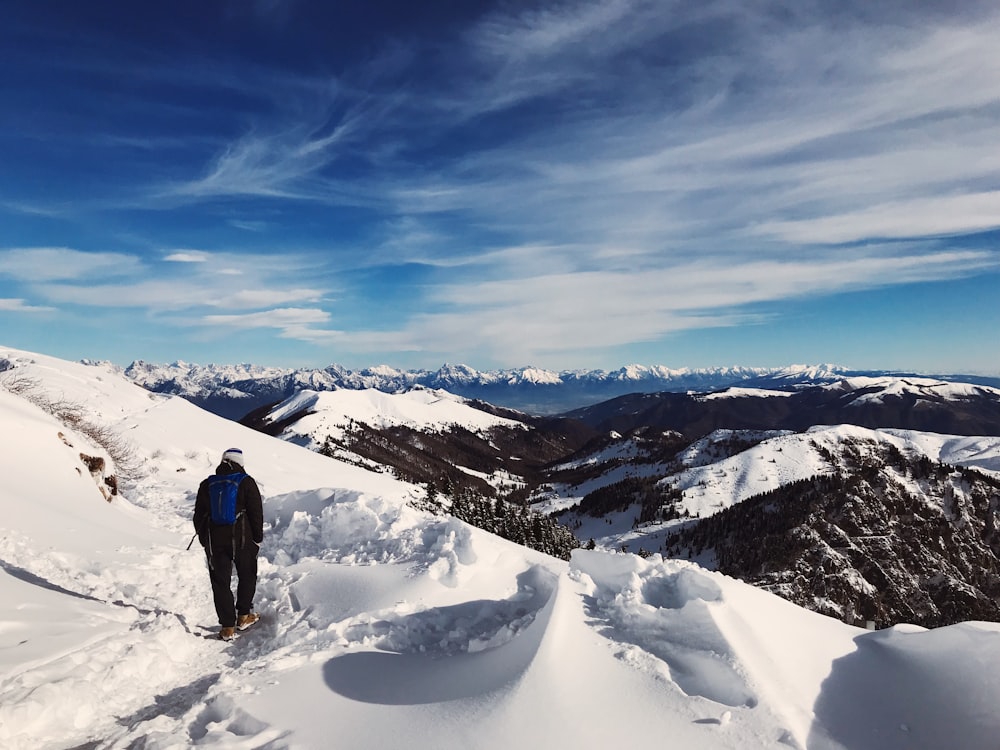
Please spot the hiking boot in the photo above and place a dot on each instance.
(227, 634)
(245, 621)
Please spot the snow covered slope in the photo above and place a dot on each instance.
(330, 413)
(729, 466)
(385, 627)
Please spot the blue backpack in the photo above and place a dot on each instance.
(222, 490)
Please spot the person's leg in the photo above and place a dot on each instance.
(246, 570)
(221, 574)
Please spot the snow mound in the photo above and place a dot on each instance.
(895, 690)
(352, 528)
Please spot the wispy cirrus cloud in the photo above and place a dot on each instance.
(188, 256)
(292, 322)
(20, 305)
(780, 151)
(832, 121)
(34, 209)
(529, 317)
(526, 317)
(58, 263)
(176, 294)
(770, 121)
(270, 165)
(187, 280)
(920, 217)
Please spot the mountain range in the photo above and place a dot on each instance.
(235, 390)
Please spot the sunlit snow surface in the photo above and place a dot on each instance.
(384, 627)
(329, 413)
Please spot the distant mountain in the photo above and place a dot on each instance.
(882, 532)
(235, 390)
(425, 436)
(906, 403)
(886, 526)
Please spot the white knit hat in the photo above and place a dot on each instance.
(235, 455)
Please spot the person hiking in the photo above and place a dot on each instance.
(229, 522)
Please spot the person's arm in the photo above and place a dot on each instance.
(201, 511)
(254, 506)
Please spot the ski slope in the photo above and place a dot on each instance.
(386, 627)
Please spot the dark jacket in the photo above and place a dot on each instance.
(249, 523)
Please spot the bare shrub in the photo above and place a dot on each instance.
(18, 383)
(71, 414)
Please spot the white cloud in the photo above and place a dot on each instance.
(267, 297)
(547, 32)
(858, 101)
(33, 209)
(530, 318)
(249, 226)
(63, 263)
(188, 256)
(19, 305)
(179, 294)
(277, 164)
(294, 322)
(758, 120)
(922, 217)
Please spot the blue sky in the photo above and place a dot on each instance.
(561, 184)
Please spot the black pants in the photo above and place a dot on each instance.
(220, 570)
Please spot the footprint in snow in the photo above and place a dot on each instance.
(662, 611)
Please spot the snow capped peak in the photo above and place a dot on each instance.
(810, 373)
(456, 372)
(534, 375)
(820, 370)
(382, 370)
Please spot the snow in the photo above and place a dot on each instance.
(711, 479)
(421, 408)
(534, 376)
(386, 627)
(761, 468)
(884, 387)
(735, 392)
(977, 452)
(618, 451)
